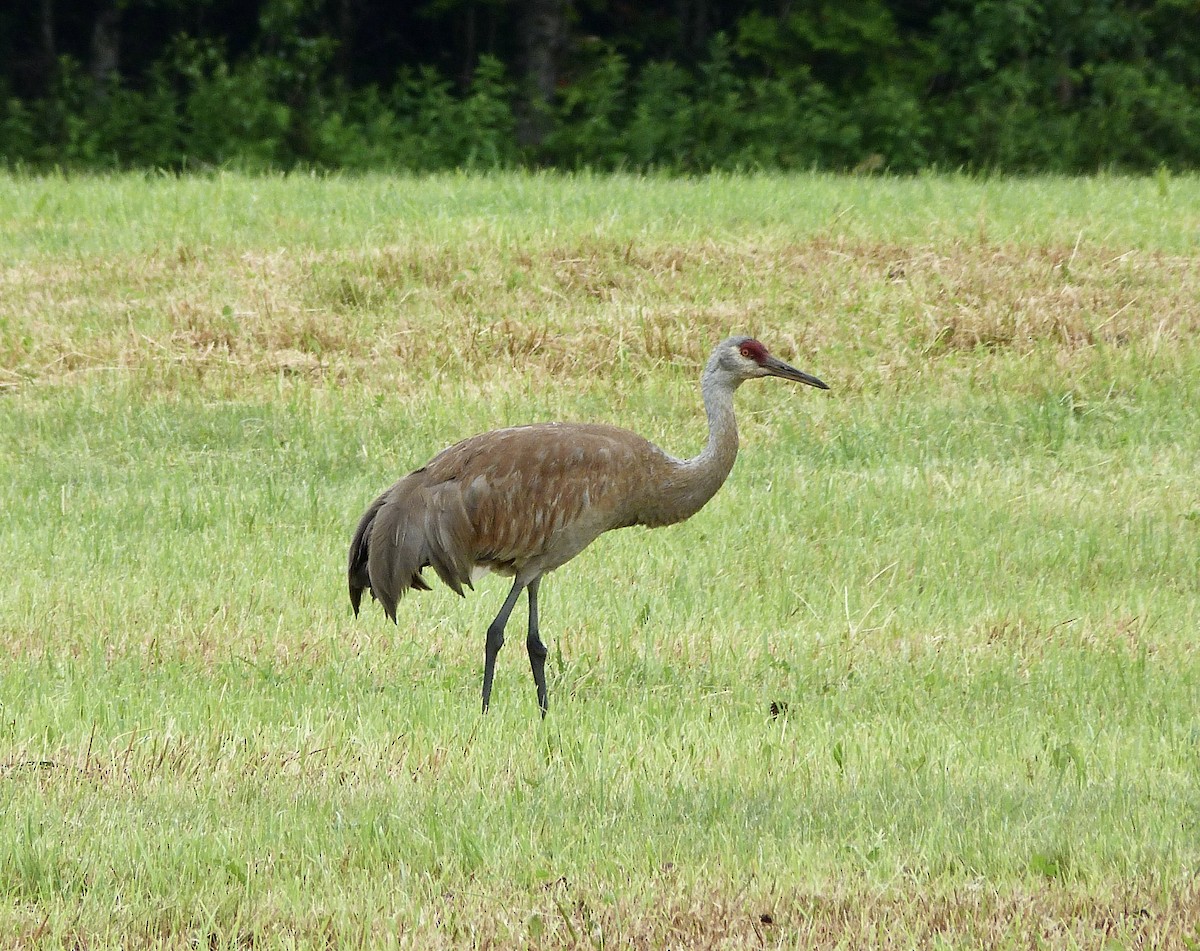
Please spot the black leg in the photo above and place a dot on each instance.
(495, 640)
(537, 650)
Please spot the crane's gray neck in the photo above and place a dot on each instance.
(722, 446)
(697, 479)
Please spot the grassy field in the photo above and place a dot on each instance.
(966, 579)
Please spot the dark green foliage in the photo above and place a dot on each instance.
(1065, 85)
(591, 114)
(866, 85)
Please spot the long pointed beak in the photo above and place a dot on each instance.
(776, 367)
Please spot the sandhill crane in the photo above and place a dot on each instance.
(525, 500)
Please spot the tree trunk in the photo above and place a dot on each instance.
(467, 69)
(693, 25)
(344, 55)
(544, 29)
(47, 60)
(106, 47)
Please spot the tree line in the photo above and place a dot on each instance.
(675, 85)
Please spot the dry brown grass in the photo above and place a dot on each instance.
(889, 918)
(559, 915)
(571, 309)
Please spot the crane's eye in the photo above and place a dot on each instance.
(746, 352)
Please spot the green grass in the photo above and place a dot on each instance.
(967, 578)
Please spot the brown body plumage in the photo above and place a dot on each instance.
(525, 500)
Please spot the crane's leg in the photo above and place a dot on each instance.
(537, 650)
(495, 640)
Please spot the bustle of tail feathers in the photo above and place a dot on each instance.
(408, 528)
(360, 579)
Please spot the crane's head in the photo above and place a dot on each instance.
(744, 358)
